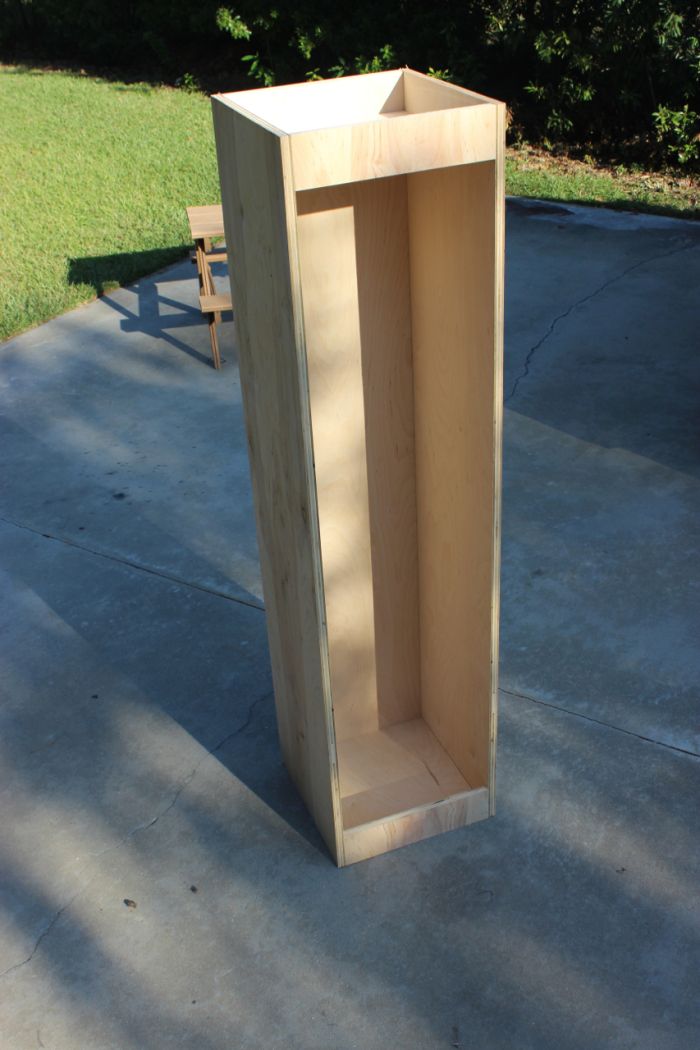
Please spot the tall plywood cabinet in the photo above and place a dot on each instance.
(364, 223)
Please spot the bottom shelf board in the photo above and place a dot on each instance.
(394, 771)
(380, 836)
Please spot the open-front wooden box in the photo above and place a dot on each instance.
(364, 222)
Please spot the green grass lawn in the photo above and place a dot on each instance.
(96, 175)
(94, 182)
(532, 172)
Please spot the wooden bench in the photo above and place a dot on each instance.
(206, 223)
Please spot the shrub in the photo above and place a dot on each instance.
(615, 76)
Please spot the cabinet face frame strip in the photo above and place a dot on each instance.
(365, 220)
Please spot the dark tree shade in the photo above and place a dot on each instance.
(615, 76)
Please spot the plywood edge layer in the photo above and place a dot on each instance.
(381, 836)
(403, 146)
(334, 841)
(226, 101)
(499, 310)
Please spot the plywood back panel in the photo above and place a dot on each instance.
(353, 257)
(452, 216)
(255, 192)
(381, 248)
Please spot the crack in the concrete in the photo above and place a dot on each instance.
(579, 302)
(171, 577)
(600, 722)
(139, 827)
(188, 780)
(44, 933)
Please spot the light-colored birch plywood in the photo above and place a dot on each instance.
(452, 216)
(380, 836)
(372, 229)
(358, 343)
(394, 770)
(272, 368)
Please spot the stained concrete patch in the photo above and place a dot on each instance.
(140, 761)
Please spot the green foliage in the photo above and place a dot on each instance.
(188, 82)
(678, 133)
(599, 68)
(385, 59)
(440, 74)
(258, 70)
(232, 23)
(589, 73)
(620, 77)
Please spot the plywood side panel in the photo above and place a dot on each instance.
(423, 94)
(326, 240)
(354, 272)
(452, 217)
(498, 310)
(255, 200)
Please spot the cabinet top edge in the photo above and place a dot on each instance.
(289, 110)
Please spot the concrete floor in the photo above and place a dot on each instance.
(139, 755)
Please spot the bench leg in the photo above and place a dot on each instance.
(214, 341)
